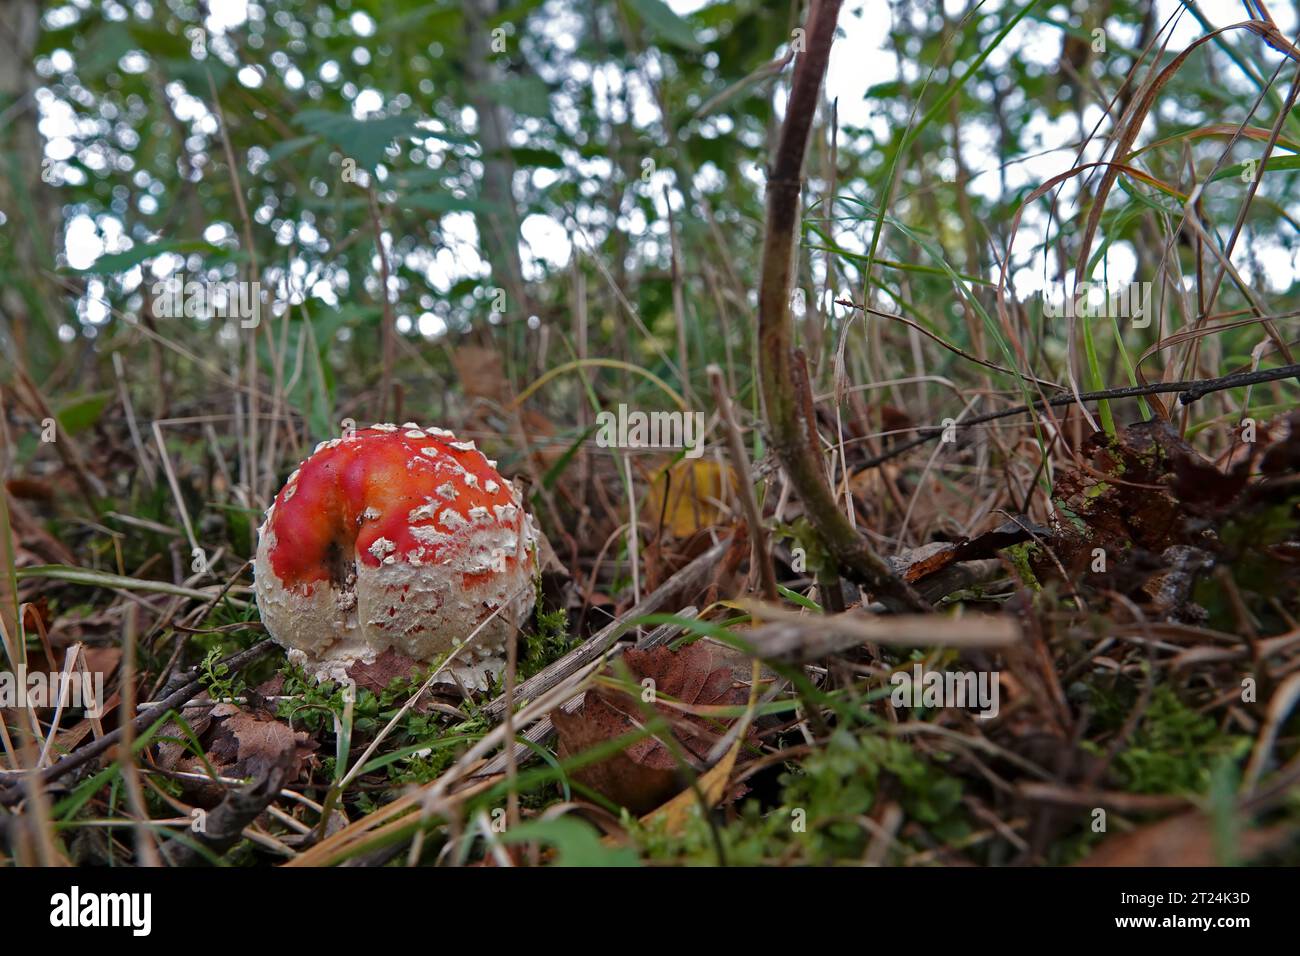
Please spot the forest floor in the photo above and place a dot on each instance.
(1131, 667)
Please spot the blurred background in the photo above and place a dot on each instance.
(532, 148)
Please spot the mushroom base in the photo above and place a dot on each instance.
(477, 674)
(327, 626)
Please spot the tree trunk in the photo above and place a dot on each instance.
(499, 227)
(27, 300)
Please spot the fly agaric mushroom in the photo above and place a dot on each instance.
(395, 538)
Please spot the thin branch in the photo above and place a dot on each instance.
(790, 431)
(1189, 391)
(740, 461)
(172, 701)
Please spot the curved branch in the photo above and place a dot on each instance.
(790, 431)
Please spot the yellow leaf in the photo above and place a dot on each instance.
(713, 784)
(690, 495)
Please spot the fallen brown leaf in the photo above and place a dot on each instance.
(251, 744)
(687, 684)
(385, 669)
(1183, 840)
(237, 743)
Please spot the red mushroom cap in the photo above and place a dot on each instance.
(394, 537)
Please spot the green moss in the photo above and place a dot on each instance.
(1097, 490)
(823, 803)
(549, 642)
(1070, 515)
(1174, 749)
(751, 839)
(840, 783)
(1021, 557)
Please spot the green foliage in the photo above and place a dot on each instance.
(753, 839)
(1022, 557)
(82, 412)
(311, 704)
(1173, 750)
(422, 745)
(840, 783)
(1247, 538)
(824, 801)
(217, 677)
(366, 141)
(665, 24)
(575, 843)
(548, 642)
